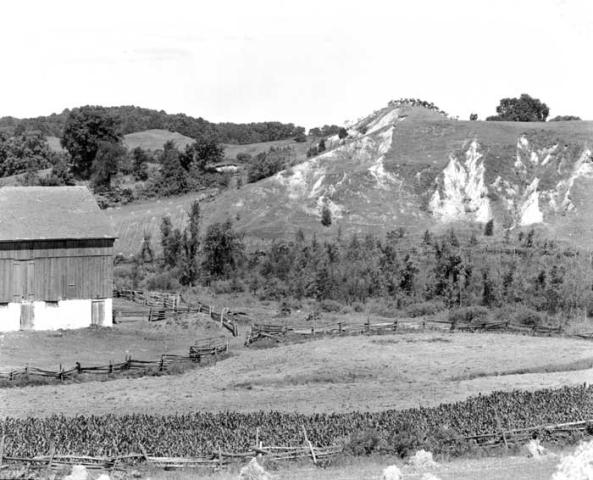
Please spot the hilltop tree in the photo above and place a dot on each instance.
(473, 117)
(343, 133)
(522, 109)
(84, 130)
(565, 118)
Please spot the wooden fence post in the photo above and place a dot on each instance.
(395, 325)
(162, 364)
(340, 328)
(310, 446)
(1, 447)
(367, 325)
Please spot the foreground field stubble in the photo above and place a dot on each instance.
(339, 374)
(494, 468)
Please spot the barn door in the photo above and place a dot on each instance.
(18, 287)
(30, 282)
(23, 281)
(98, 313)
(27, 316)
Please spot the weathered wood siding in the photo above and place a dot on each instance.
(56, 270)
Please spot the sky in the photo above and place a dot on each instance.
(306, 62)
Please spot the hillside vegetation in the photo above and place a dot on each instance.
(413, 167)
(133, 119)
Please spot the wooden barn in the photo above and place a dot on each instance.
(56, 259)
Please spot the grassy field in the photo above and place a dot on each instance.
(155, 139)
(133, 220)
(341, 374)
(231, 151)
(90, 347)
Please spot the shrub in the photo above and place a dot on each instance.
(424, 308)
(330, 306)
(358, 307)
(227, 286)
(366, 442)
(383, 309)
(162, 281)
(467, 314)
(526, 316)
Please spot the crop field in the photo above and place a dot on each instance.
(342, 374)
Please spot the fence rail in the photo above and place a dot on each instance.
(276, 331)
(502, 438)
(202, 348)
(166, 306)
(217, 459)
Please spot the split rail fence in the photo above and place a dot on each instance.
(276, 331)
(219, 458)
(203, 348)
(166, 306)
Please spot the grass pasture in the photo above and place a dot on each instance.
(133, 220)
(231, 151)
(89, 346)
(341, 374)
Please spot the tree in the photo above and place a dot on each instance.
(326, 216)
(343, 133)
(191, 245)
(473, 117)
(84, 129)
(139, 161)
(203, 151)
(146, 254)
(522, 109)
(222, 250)
(489, 228)
(170, 242)
(24, 153)
(173, 177)
(106, 163)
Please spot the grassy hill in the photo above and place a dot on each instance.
(411, 167)
(387, 177)
(155, 139)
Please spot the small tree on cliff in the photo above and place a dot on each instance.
(326, 216)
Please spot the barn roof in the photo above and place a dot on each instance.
(51, 213)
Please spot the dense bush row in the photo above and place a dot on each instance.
(203, 433)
